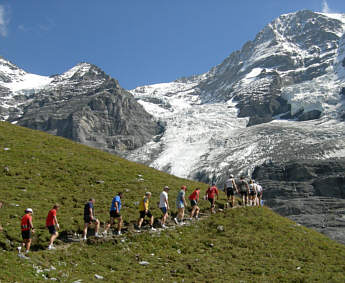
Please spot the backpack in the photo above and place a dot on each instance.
(243, 187)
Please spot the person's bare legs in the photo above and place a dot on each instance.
(53, 237)
(119, 224)
(180, 214)
(27, 245)
(86, 225)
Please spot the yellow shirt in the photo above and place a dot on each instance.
(144, 204)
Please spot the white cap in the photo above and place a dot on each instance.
(29, 210)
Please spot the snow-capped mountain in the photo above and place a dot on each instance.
(83, 104)
(16, 87)
(279, 98)
(275, 108)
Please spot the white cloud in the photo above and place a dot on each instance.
(3, 21)
(325, 7)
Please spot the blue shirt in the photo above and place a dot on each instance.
(118, 200)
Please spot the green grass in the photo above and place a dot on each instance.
(256, 245)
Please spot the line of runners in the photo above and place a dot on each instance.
(251, 194)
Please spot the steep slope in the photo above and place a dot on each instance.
(311, 193)
(279, 99)
(83, 104)
(249, 244)
(279, 88)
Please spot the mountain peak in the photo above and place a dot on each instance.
(80, 70)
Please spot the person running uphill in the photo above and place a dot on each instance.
(252, 193)
(52, 224)
(194, 199)
(210, 195)
(89, 218)
(115, 213)
(258, 194)
(230, 188)
(181, 204)
(144, 211)
(164, 205)
(244, 190)
(27, 229)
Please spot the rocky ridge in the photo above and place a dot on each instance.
(83, 104)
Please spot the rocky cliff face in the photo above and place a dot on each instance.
(83, 104)
(311, 193)
(278, 98)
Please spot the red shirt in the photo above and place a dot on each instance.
(194, 195)
(50, 218)
(25, 223)
(211, 192)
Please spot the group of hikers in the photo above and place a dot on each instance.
(251, 195)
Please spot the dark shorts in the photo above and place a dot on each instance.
(87, 219)
(164, 210)
(211, 200)
(143, 214)
(252, 193)
(26, 235)
(244, 193)
(259, 194)
(230, 192)
(114, 214)
(193, 202)
(52, 229)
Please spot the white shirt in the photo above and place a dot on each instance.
(259, 188)
(163, 199)
(228, 183)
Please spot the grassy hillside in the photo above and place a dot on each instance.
(254, 244)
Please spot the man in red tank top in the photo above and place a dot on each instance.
(27, 229)
(210, 195)
(194, 199)
(52, 224)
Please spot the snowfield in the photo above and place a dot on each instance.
(298, 57)
(205, 138)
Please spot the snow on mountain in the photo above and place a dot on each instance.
(17, 86)
(286, 84)
(190, 125)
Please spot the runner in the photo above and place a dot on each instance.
(194, 199)
(27, 230)
(144, 211)
(89, 218)
(164, 205)
(258, 195)
(52, 224)
(244, 190)
(115, 214)
(252, 193)
(210, 195)
(230, 188)
(180, 204)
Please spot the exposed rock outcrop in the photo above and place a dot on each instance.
(311, 193)
(90, 107)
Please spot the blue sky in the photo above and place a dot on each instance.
(135, 41)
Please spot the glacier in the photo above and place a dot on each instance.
(206, 137)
